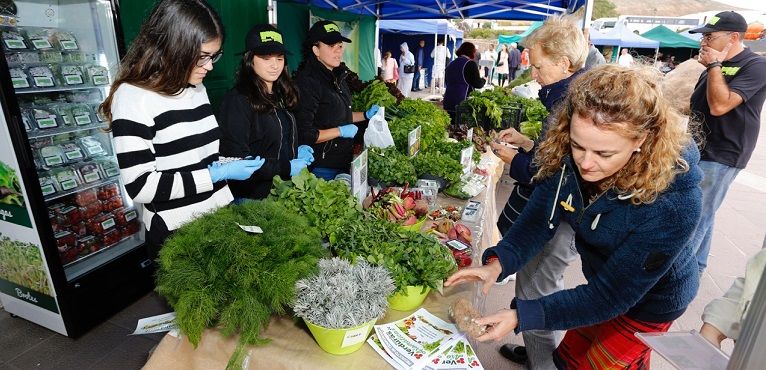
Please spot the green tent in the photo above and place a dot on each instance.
(670, 39)
(504, 39)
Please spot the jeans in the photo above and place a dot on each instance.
(715, 183)
(544, 275)
(416, 81)
(325, 173)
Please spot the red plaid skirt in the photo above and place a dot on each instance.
(608, 345)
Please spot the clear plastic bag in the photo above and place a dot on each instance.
(377, 133)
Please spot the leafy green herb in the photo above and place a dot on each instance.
(456, 191)
(375, 93)
(390, 166)
(216, 275)
(411, 258)
(326, 204)
(531, 129)
(438, 164)
(10, 189)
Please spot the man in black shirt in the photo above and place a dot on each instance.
(728, 100)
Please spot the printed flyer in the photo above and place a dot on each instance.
(423, 341)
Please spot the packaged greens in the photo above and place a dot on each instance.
(44, 118)
(66, 40)
(72, 75)
(42, 76)
(23, 57)
(40, 38)
(51, 56)
(52, 155)
(81, 114)
(13, 40)
(19, 78)
(75, 57)
(97, 75)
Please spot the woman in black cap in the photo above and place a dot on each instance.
(325, 119)
(255, 115)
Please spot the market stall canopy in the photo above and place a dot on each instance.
(628, 39)
(445, 9)
(421, 26)
(503, 39)
(603, 39)
(670, 39)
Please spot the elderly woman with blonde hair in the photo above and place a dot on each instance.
(621, 168)
(557, 53)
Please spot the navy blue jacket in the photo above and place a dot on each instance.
(522, 169)
(638, 260)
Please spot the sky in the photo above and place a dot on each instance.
(746, 4)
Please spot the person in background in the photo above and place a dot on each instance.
(728, 98)
(255, 115)
(621, 168)
(164, 132)
(625, 59)
(595, 57)
(723, 317)
(390, 68)
(514, 60)
(501, 68)
(441, 55)
(420, 59)
(557, 52)
(462, 76)
(405, 78)
(524, 65)
(324, 116)
(488, 61)
(378, 62)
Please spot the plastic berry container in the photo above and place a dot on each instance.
(108, 191)
(124, 215)
(101, 224)
(110, 237)
(91, 210)
(86, 197)
(130, 228)
(68, 215)
(111, 204)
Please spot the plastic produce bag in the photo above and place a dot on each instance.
(377, 133)
(524, 91)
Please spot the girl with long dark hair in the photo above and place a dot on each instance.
(255, 115)
(165, 135)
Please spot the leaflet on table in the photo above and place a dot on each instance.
(423, 341)
(458, 355)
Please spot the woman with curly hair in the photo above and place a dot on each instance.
(621, 168)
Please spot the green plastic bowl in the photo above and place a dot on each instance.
(414, 298)
(340, 341)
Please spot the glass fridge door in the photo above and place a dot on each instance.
(62, 57)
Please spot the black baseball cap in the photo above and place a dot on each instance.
(326, 32)
(265, 39)
(723, 21)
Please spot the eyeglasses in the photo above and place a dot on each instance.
(710, 37)
(205, 58)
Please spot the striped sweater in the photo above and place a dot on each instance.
(164, 145)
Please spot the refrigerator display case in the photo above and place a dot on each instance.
(72, 251)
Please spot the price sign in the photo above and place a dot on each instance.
(413, 141)
(466, 159)
(359, 176)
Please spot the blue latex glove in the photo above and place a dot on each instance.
(296, 166)
(306, 153)
(237, 170)
(371, 112)
(348, 131)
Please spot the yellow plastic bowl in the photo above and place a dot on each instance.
(416, 226)
(340, 341)
(414, 298)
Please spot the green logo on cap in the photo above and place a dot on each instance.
(331, 28)
(267, 36)
(713, 20)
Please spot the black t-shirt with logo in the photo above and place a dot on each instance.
(730, 138)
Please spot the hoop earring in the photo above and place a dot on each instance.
(638, 150)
